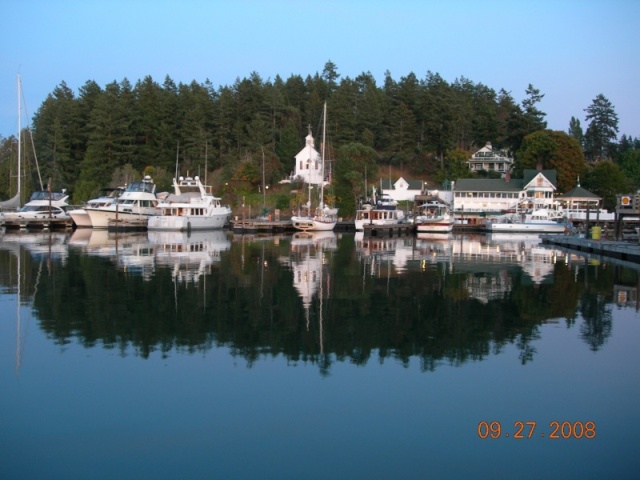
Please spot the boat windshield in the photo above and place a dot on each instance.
(44, 195)
(143, 187)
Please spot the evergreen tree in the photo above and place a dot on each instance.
(602, 130)
(575, 130)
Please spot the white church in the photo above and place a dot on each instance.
(308, 166)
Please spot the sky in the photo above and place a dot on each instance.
(570, 50)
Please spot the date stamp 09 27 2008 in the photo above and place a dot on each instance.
(524, 430)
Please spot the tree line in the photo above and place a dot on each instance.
(428, 127)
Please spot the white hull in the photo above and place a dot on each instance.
(188, 222)
(436, 226)
(100, 218)
(80, 217)
(532, 227)
(307, 224)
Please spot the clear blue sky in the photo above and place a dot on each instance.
(570, 50)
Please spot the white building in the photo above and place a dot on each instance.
(308, 167)
(402, 190)
(490, 160)
(479, 197)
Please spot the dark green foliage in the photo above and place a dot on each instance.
(553, 150)
(411, 123)
(603, 129)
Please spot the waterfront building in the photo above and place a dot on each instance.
(490, 160)
(475, 198)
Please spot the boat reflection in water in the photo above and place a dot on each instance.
(189, 255)
(132, 252)
(49, 244)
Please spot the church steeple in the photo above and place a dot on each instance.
(309, 138)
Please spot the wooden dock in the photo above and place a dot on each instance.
(626, 251)
(398, 229)
(120, 225)
(39, 224)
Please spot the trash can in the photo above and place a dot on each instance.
(596, 232)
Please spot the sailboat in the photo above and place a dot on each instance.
(324, 218)
(14, 202)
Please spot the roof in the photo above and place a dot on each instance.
(579, 192)
(388, 184)
(488, 185)
(530, 174)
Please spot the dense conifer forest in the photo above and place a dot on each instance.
(420, 127)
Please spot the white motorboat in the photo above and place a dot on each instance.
(192, 206)
(42, 207)
(434, 217)
(542, 220)
(106, 197)
(138, 201)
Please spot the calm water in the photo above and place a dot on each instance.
(220, 356)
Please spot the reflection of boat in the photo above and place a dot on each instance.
(131, 251)
(540, 220)
(137, 202)
(188, 254)
(42, 243)
(388, 252)
(106, 196)
(434, 216)
(324, 218)
(192, 206)
(328, 239)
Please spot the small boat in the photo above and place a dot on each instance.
(192, 206)
(384, 212)
(434, 216)
(138, 201)
(542, 220)
(106, 196)
(44, 209)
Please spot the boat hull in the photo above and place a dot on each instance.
(80, 217)
(308, 224)
(442, 226)
(187, 223)
(100, 218)
(525, 227)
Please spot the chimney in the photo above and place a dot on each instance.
(507, 176)
(539, 167)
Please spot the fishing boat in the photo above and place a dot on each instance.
(137, 202)
(541, 220)
(323, 217)
(434, 216)
(382, 211)
(192, 206)
(106, 197)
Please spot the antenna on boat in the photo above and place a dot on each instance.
(177, 157)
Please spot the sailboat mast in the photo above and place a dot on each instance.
(324, 137)
(19, 140)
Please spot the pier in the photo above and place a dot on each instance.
(626, 251)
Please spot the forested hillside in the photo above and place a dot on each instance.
(425, 127)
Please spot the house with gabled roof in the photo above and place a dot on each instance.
(480, 197)
(490, 159)
(402, 189)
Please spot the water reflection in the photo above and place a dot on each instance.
(318, 298)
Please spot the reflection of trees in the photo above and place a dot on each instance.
(596, 327)
(248, 304)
